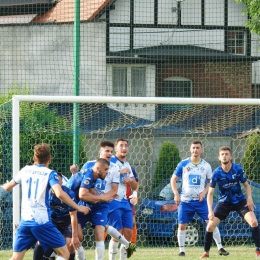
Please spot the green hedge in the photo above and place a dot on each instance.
(168, 159)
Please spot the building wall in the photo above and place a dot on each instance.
(40, 57)
(220, 79)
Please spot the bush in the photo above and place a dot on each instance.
(251, 160)
(168, 159)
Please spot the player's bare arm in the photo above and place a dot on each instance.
(203, 194)
(75, 243)
(86, 195)
(113, 191)
(210, 203)
(177, 198)
(9, 185)
(249, 199)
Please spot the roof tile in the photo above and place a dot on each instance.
(63, 11)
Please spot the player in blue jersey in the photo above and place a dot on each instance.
(120, 215)
(36, 224)
(96, 189)
(112, 181)
(228, 177)
(196, 174)
(65, 219)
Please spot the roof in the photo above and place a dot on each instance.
(63, 11)
(174, 53)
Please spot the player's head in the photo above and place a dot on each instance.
(60, 177)
(42, 153)
(106, 150)
(121, 148)
(196, 148)
(225, 155)
(101, 168)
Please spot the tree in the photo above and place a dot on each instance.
(168, 159)
(253, 11)
(251, 160)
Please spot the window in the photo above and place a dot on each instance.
(129, 81)
(236, 42)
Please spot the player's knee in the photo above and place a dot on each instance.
(253, 223)
(182, 227)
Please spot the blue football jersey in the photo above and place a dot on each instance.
(229, 184)
(74, 184)
(58, 208)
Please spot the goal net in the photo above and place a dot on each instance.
(159, 131)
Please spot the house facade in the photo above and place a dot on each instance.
(167, 48)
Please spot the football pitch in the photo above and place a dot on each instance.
(165, 253)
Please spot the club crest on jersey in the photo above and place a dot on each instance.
(86, 182)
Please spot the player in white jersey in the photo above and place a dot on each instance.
(195, 173)
(36, 224)
(120, 214)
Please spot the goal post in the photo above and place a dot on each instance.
(146, 121)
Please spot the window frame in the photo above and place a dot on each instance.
(149, 89)
(236, 39)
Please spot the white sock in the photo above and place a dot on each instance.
(217, 238)
(60, 258)
(118, 236)
(80, 253)
(181, 239)
(99, 250)
(53, 254)
(123, 254)
(112, 249)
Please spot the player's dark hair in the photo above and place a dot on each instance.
(120, 140)
(196, 142)
(59, 174)
(225, 148)
(102, 162)
(107, 143)
(42, 152)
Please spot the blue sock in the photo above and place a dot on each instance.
(256, 237)
(208, 240)
(38, 252)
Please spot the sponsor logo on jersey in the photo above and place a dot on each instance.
(194, 179)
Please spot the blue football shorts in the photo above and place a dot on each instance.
(48, 235)
(63, 225)
(222, 209)
(187, 210)
(120, 215)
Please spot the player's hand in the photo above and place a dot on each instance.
(84, 209)
(211, 215)
(133, 198)
(201, 196)
(74, 169)
(250, 204)
(177, 199)
(75, 243)
(125, 171)
(127, 180)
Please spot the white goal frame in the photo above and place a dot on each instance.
(16, 99)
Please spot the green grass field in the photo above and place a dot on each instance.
(161, 253)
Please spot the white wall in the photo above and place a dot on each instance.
(41, 57)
